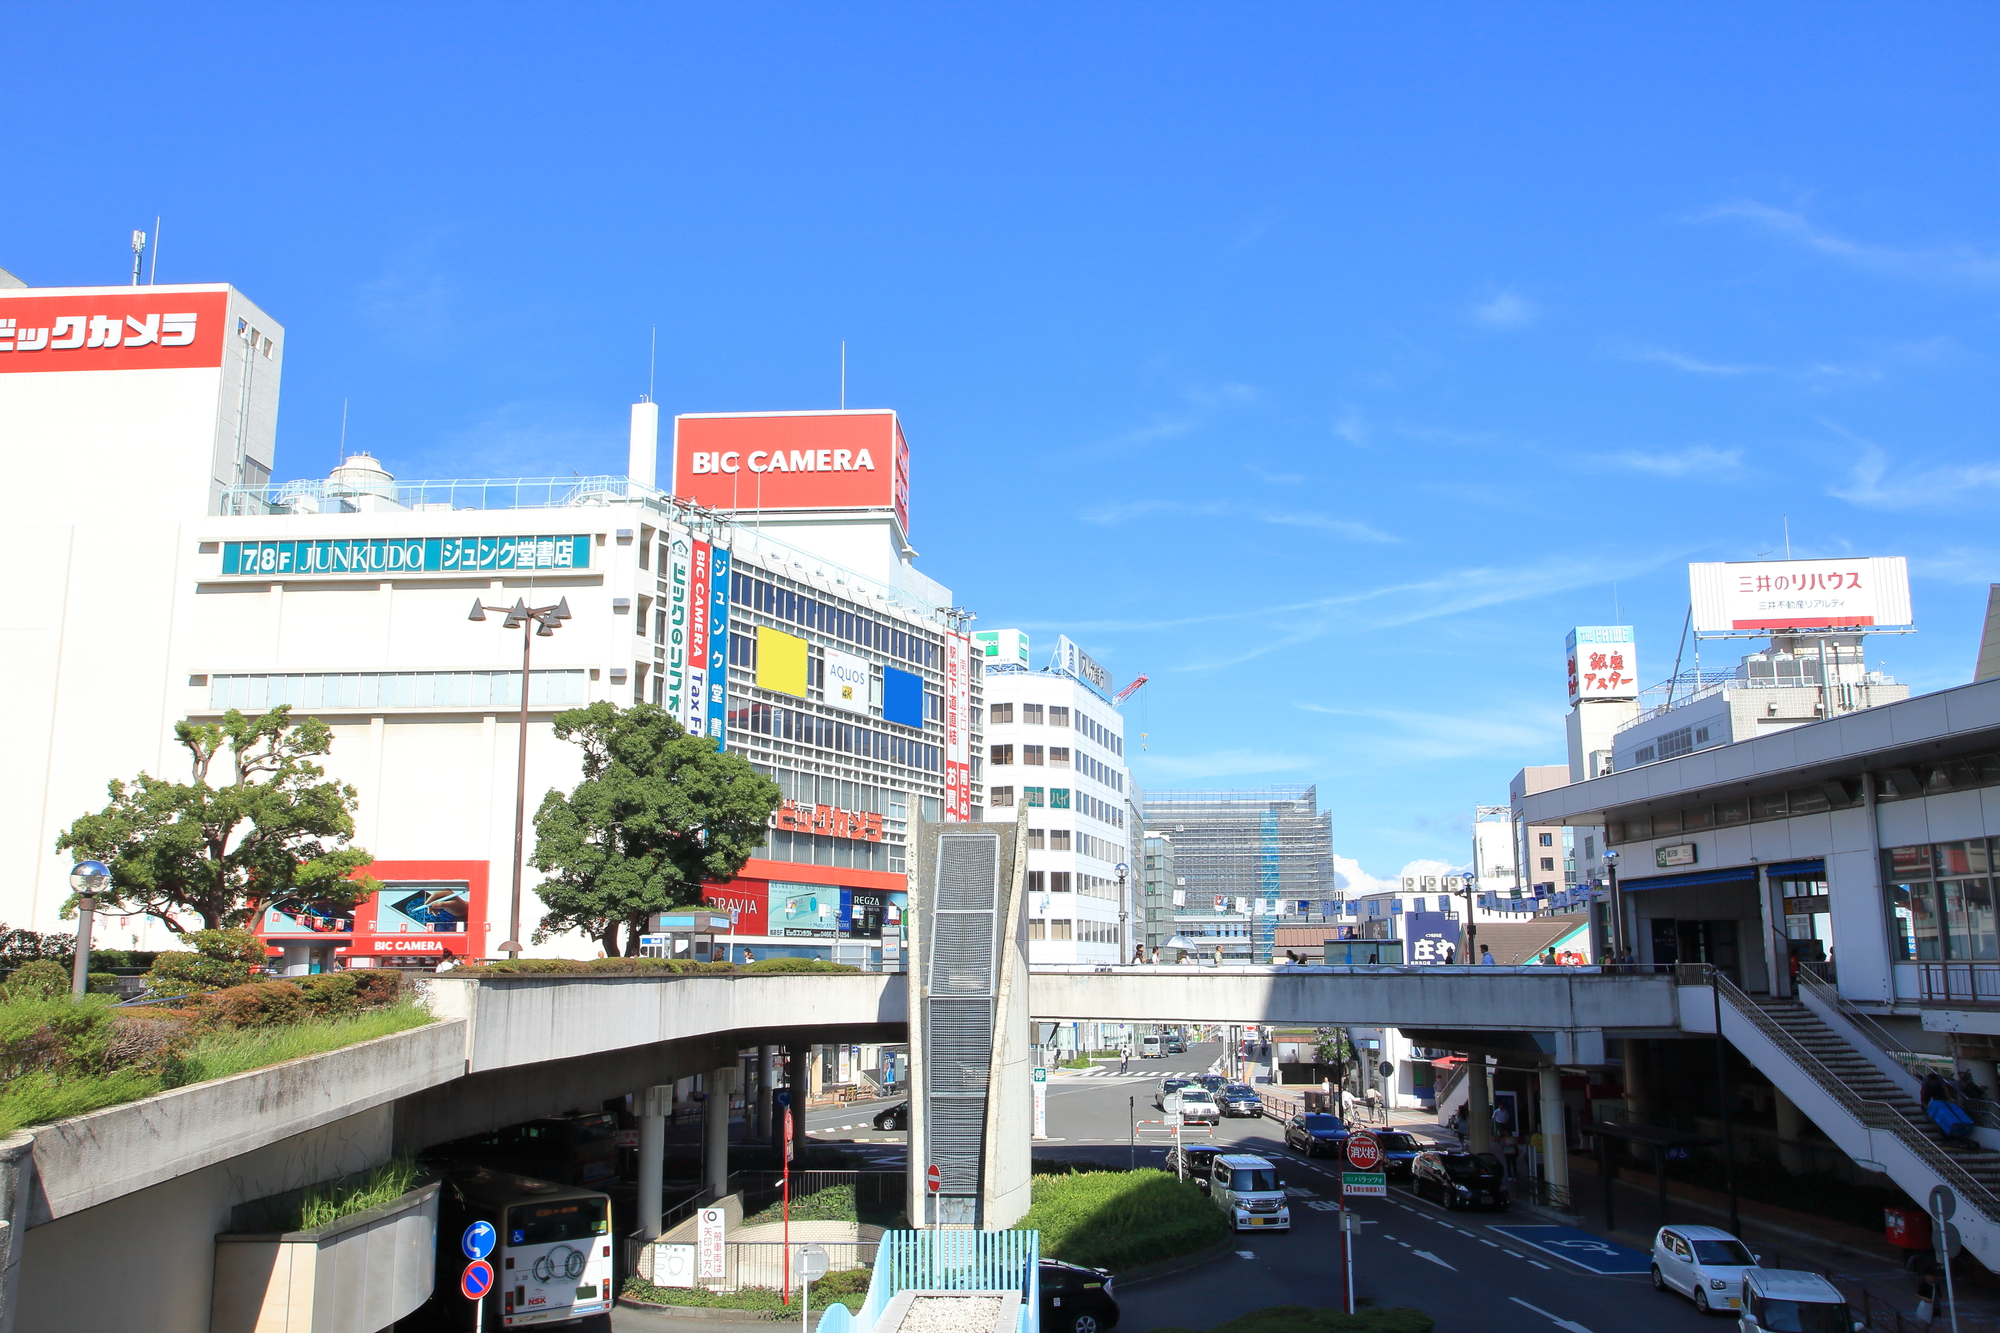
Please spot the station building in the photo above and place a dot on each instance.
(769, 599)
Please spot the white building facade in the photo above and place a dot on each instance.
(1055, 743)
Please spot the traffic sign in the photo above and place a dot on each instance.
(782, 1097)
(477, 1242)
(1041, 1074)
(1944, 1203)
(812, 1262)
(1947, 1240)
(1363, 1152)
(1364, 1184)
(933, 1179)
(478, 1279)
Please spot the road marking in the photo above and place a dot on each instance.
(1483, 1241)
(1539, 1264)
(1246, 1254)
(1559, 1323)
(1426, 1254)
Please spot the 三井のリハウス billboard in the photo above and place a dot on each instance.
(1765, 596)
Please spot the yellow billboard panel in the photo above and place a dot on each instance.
(781, 662)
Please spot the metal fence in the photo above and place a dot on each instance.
(957, 1261)
(1960, 983)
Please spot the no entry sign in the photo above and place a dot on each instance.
(1363, 1152)
(933, 1179)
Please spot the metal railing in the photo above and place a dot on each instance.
(1869, 1112)
(1960, 983)
(956, 1261)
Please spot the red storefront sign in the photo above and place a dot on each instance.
(861, 825)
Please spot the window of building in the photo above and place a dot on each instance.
(1034, 840)
(1000, 798)
(1038, 881)
(1031, 754)
(1548, 863)
(1000, 754)
(1676, 743)
(1059, 928)
(1546, 839)
(1938, 899)
(1033, 795)
(1038, 929)
(1058, 839)
(1058, 715)
(1059, 798)
(1031, 714)
(1001, 713)
(1058, 756)
(1059, 881)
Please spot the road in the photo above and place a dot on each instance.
(1455, 1266)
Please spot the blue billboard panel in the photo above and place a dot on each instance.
(1427, 935)
(902, 698)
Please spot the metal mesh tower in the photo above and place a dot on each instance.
(1266, 845)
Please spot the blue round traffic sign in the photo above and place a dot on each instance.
(478, 1240)
(782, 1097)
(478, 1279)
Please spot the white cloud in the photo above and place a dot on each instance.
(1694, 366)
(1696, 458)
(1875, 486)
(1352, 880)
(1408, 736)
(1110, 515)
(1216, 764)
(1961, 264)
(1506, 310)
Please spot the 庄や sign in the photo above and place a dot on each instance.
(1762, 595)
(406, 555)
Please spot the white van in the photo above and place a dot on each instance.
(1251, 1196)
(1152, 1048)
(1787, 1300)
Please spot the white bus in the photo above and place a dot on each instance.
(552, 1260)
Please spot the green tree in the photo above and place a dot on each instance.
(260, 821)
(659, 813)
(1331, 1047)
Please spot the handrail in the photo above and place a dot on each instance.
(1867, 1111)
(1913, 1062)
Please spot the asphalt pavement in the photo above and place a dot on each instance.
(1455, 1266)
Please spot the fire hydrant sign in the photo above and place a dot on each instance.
(1364, 1184)
(709, 1239)
(1363, 1152)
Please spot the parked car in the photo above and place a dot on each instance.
(1198, 1108)
(1704, 1264)
(1237, 1099)
(1076, 1299)
(1316, 1132)
(1459, 1179)
(1194, 1161)
(896, 1117)
(1168, 1087)
(1213, 1082)
(1399, 1152)
(1776, 1300)
(1249, 1192)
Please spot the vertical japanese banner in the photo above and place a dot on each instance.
(718, 644)
(679, 686)
(957, 728)
(694, 714)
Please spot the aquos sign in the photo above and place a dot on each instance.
(793, 460)
(146, 329)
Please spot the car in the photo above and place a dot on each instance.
(1316, 1132)
(1198, 1108)
(1149, 1049)
(1399, 1151)
(1192, 1161)
(1168, 1087)
(1176, 1047)
(1237, 1099)
(1213, 1082)
(1076, 1299)
(1459, 1179)
(896, 1117)
(1704, 1264)
(1776, 1299)
(1249, 1192)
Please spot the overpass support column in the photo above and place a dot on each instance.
(652, 1106)
(1791, 1122)
(1478, 1105)
(767, 1066)
(1555, 1140)
(715, 1130)
(798, 1079)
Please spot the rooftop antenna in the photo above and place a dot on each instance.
(843, 374)
(153, 269)
(1788, 536)
(652, 362)
(1614, 602)
(343, 432)
(138, 251)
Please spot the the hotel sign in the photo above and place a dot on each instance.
(406, 555)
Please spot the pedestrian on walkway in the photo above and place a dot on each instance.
(1124, 1054)
(1935, 1089)
(1969, 1089)
(1486, 955)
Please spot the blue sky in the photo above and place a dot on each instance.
(1325, 364)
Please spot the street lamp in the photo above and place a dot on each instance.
(1618, 942)
(545, 620)
(1124, 913)
(89, 879)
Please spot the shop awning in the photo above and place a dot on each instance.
(1732, 875)
(1813, 869)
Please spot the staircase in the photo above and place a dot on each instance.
(1871, 1116)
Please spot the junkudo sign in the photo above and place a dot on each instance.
(399, 555)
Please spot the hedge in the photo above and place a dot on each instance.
(642, 967)
(1121, 1219)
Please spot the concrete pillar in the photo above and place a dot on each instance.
(767, 1083)
(1791, 1121)
(798, 1081)
(715, 1130)
(652, 1106)
(1478, 1106)
(1555, 1142)
(1637, 1079)
(1985, 1073)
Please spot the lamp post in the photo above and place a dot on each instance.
(88, 878)
(1617, 908)
(545, 621)
(1124, 915)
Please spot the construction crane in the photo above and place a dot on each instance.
(1129, 690)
